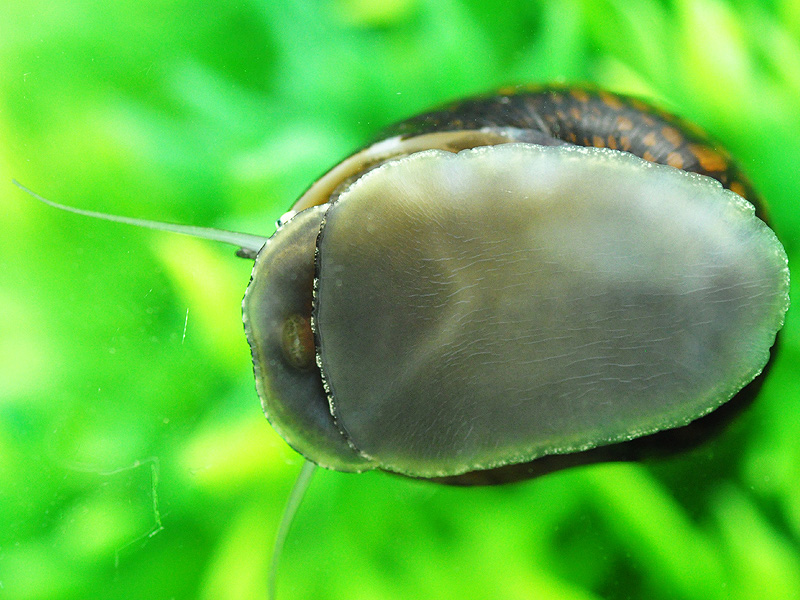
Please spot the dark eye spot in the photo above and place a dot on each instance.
(298, 342)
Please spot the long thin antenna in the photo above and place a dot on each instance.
(292, 504)
(243, 240)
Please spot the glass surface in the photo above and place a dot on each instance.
(135, 461)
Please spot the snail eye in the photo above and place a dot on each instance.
(298, 342)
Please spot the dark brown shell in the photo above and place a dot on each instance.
(590, 117)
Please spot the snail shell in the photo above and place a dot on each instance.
(510, 278)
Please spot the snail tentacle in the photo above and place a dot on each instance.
(250, 244)
(292, 504)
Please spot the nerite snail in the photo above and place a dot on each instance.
(534, 273)
(446, 301)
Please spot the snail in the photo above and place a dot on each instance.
(509, 280)
(407, 315)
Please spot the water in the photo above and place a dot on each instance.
(134, 458)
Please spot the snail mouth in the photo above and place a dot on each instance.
(298, 341)
(277, 312)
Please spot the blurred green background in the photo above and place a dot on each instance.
(134, 458)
